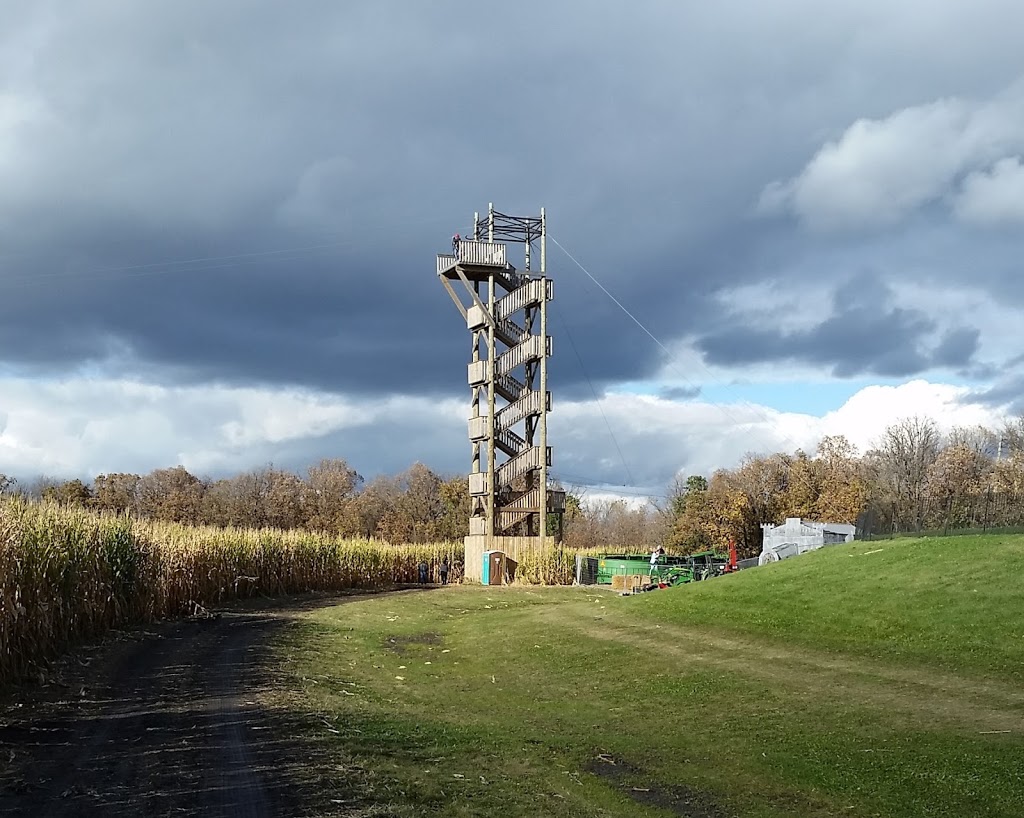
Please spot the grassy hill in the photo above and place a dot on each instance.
(875, 679)
(950, 602)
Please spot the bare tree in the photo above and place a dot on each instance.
(983, 442)
(1010, 438)
(901, 463)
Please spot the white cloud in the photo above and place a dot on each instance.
(881, 170)
(864, 417)
(995, 196)
(85, 426)
(82, 427)
(661, 437)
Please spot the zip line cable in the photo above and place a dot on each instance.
(640, 324)
(163, 267)
(181, 265)
(597, 400)
(132, 273)
(198, 260)
(289, 254)
(635, 320)
(670, 362)
(567, 479)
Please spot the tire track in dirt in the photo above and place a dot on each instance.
(164, 722)
(938, 697)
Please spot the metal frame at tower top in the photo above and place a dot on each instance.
(508, 378)
(526, 230)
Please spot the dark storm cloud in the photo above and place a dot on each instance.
(1007, 391)
(862, 333)
(957, 347)
(358, 136)
(679, 393)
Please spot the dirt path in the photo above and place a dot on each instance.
(928, 696)
(163, 722)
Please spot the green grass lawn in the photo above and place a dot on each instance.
(946, 601)
(839, 683)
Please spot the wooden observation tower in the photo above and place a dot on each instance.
(506, 313)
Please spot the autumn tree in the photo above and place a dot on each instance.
(418, 503)
(1010, 438)
(694, 518)
(747, 497)
(1007, 477)
(327, 498)
(69, 492)
(953, 483)
(803, 487)
(376, 508)
(116, 492)
(258, 498)
(842, 488)
(173, 495)
(37, 488)
(283, 499)
(455, 508)
(222, 505)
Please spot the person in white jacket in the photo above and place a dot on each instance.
(656, 556)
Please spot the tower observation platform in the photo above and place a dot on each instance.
(512, 507)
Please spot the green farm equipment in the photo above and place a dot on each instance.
(669, 570)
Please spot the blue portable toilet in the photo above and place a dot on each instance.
(493, 570)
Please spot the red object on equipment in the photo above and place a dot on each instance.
(733, 564)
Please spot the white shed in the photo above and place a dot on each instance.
(797, 536)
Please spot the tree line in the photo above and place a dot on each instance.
(416, 506)
(913, 479)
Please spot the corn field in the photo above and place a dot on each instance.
(555, 565)
(68, 574)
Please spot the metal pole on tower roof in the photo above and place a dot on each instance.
(543, 242)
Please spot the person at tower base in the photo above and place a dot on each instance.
(656, 556)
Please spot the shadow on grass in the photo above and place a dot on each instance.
(180, 718)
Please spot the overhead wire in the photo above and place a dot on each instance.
(597, 400)
(670, 359)
(167, 266)
(134, 273)
(234, 260)
(588, 484)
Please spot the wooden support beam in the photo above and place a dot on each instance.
(476, 298)
(455, 298)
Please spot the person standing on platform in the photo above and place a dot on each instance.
(456, 241)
